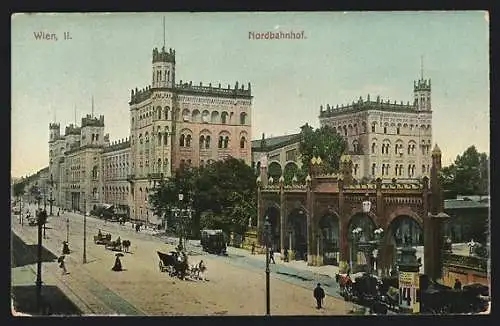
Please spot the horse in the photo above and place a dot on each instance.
(126, 245)
(345, 284)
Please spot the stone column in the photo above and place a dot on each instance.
(309, 205)
(282, 217)
(260, 211)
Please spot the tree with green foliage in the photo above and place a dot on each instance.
(468, 175)
(19, 189)
(322, 142)
(165, 197)
(226, 189)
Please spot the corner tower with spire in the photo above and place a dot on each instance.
(422, 91)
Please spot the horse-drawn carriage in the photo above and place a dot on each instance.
(362, 287)
(114, 245)
(102, 239)
(173, 263)
(176, 264)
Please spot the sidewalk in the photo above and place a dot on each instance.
(326, 270)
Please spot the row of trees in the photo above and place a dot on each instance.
(468, 175)
(222, 196)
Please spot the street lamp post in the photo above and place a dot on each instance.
(180, 219)
(267, 236)
(355, 234)
(51, 200)
(67, 229)
(84, 231)
(41, 217)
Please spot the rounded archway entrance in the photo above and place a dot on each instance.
(404, 230)
(330, 238)
(297, 233)
(273, 213)
(360, 236)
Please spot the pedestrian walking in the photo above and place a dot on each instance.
(458, 285)
(319, 295)
(285, 254)
(271, 255)
(253, 248)
(62, 265)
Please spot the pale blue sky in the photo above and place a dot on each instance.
(345, 55)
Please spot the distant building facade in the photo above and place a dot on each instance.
(386, 140)
(282, 152)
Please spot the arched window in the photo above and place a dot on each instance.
(226, 141)
(423, 168)
(385, 130)
(188, 141)
(223, 117)
(401, 169)
(373, 148)
(409, 171)
(243, 118)
(159, 138)
(181, 141)
(409, 149)
(373, 127)
(383, 169)
(221, 141)
(364, 126)
(158, 110)
(202, 142)
(374, 166)
(207, 141)
(242, 142)
(396, 169)
(168, 75)
(383, 148)
(355, 169)
(165, 138)
(166, 112)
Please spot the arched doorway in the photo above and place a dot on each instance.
(273, 213)
(330, 236)
(297, 233)
(360, 235)
(404, 230)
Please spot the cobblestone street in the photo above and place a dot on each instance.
(232, 287)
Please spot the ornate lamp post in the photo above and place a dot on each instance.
(355, 234)
(180, 218)
(267, 237)
(378, 238)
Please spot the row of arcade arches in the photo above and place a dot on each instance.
(402, 230)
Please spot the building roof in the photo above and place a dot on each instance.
(275, 142)
(460, 204)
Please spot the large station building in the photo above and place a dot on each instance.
(172, 124)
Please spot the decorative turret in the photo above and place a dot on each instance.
(345, 168)
(55, 131)
(422, 92)
(163, 68)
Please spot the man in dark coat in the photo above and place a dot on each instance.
(458, 284)
(319, 295)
